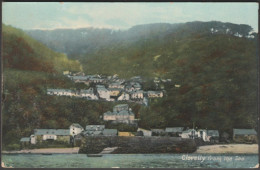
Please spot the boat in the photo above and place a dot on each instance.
(94, 155)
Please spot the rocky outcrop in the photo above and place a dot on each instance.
(137, 144)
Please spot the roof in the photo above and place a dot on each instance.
(115, 84)
(94, 127)
(80, 77)
(137, 85)
(114, 89)
(124, 113)
(212, 133)
(174, 129)
(157, 130)
(108, 113)
(90, 91)
(141, 129)
(100, 86)
(154, 92)
(59, 90)
(61, 132)
(188, 131)
(93, 78)
(101, 89)
(244, 132)
(121, 105)
(25, 139)
(97, 132)
(138, 91)
(77, 125)
(110, 132)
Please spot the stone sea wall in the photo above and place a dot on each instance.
(137, 144)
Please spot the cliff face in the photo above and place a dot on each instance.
(138, 144)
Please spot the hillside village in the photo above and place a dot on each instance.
(123, 114)
(110, 88)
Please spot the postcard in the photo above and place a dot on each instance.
(129, 85)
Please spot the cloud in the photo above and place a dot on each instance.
(123, 15)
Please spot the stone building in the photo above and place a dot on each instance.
(121, 114)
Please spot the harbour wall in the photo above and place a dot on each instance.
(137, 144)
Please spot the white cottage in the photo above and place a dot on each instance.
(75, 129)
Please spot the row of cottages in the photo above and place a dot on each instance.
(132, 86)
(117, 85)
(97, 130)
(71, 135)
(121, 114)
(87, 79)
(61, 92)
(89, 94)
(61, 135)
(168, 131)
(205, 135)
(100, 130)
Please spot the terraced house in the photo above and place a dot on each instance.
(61, 92)
(121, 114)
(61, 135)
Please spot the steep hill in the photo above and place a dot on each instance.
(24, 53)
(122, 52)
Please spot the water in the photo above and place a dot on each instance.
(130, 161)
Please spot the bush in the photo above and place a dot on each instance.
(12, 147)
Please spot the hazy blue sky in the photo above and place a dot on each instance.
(53, 15)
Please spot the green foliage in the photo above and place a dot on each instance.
(22, 52)
(12, 147)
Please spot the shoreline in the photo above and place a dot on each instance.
(228, 149)
(207, 149)
(74, 150)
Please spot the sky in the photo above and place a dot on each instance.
(53, 15)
